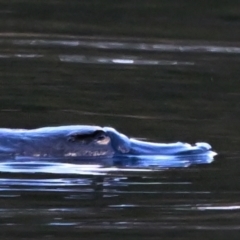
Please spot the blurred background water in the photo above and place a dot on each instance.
(161, 71)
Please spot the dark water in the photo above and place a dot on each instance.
(163, 72)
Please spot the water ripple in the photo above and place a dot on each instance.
(131, 45)
(87, 59)
(119, 60)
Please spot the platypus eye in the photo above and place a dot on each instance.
(86, 138)
(101, 137)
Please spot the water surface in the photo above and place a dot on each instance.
(165, 79)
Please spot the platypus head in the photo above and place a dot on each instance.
(122, 145)
(101, 136)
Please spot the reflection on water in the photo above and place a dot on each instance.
(110, 44)
(95, 167)
(135, 58)
(160, 200)
(88, 58)
(118, 60)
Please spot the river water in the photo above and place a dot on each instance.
(155, 71)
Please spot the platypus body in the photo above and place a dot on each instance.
(83, 141)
